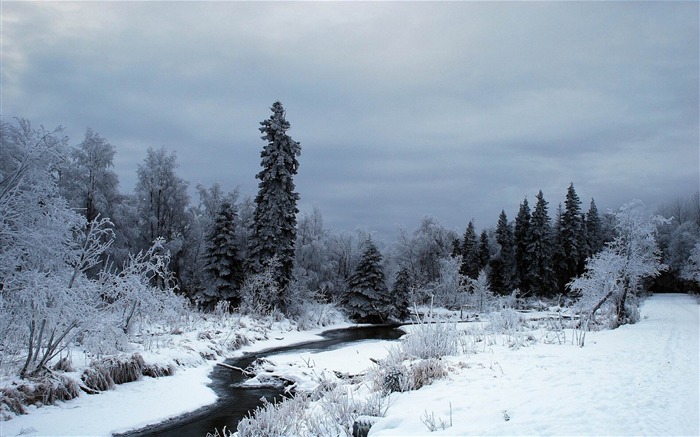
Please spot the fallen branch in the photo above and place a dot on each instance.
(238, 369)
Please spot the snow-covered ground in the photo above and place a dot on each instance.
(147, 401)
(639, 379)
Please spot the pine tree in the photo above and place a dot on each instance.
(503, 269)
(521, 232)
(540, 274)
(274, 222)
(400, 294)
(470, 253)
(223, 264)
(367, 298)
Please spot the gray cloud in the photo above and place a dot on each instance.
(455, 110)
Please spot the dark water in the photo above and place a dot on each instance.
(235, 402)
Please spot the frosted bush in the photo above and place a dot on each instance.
(278, 419)
(432, 340)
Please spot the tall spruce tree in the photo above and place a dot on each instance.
(503, 269)
(367, 298)
(275, 217)
(470, 253)
(223, 264)
(572, 237)
(594, 230)
(521, 232)
(540, 274)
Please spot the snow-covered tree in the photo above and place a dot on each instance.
(423, 251)
(275, 220)
(540, 275)
(367, 298)
(691, 270)
(503, 270)
(162, 197)
(88, 181)
(224, 266)
(614, 276)
(315, 266)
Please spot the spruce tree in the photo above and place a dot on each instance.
(367, 297)
(400, 294)
(571, 237)
(484, 250)
(223, 264)
(470, 253)
(503, 269)
(521, 232)
(274, 221)
(594, 230)
(540, 274)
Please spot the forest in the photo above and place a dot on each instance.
(83, 264)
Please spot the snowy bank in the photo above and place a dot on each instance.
(152, 400)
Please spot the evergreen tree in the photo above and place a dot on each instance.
(400, 294)
(367, 298)
(274, 222)
(503, 269)
(559, 256)
(521, 232)
(484, 250)
(594, 230)
(470, 253)
(223, 263)
(540, 274)
(572, 238)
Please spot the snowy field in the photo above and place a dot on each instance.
(639, 379)
(636, 380)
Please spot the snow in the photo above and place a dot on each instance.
(149, 400)
(636, 380)
(640, 379)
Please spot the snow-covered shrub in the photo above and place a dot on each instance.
(432, 340)
(480, 298)
(97, 378)
(275, 419)
(505, 321)
(260, 291)
(390, 374)
(424, 372)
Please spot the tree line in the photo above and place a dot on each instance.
(257, 255)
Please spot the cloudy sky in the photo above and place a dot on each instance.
(455, 110)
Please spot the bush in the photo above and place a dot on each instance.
(278, 419)
(432, 340)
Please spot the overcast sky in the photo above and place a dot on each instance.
(455, 110)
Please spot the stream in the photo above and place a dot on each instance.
(236, 402)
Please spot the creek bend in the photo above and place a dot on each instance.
(235, 402)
